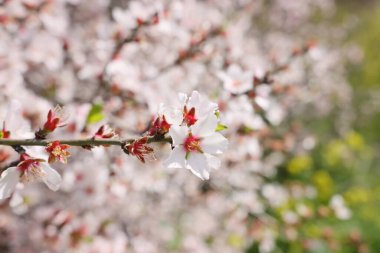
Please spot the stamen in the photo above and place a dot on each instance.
(192, 144)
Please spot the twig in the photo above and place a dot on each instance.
(79, 142)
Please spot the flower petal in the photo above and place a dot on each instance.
(205, 126)
(194, 100)
(205, 107)
(8, 182)
(176, 158)
(178, 134)
(173, 116)
(35, 152)
(182, 98)
(52, 178)
(214, 144)
(198, 165)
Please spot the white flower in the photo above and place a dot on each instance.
(190, 109)
(202, 106)
(195, 147)
(235, 80)
(339, 207)
(28, 170)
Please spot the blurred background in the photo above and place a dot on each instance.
(302, 170)
(357, 178)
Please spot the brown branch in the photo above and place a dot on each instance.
(79, 142)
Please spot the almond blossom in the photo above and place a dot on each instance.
(195, 107)
(188, 109)
(29, 169)
(57, 151)
(195, 147)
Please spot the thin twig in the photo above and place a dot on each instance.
(79, 142)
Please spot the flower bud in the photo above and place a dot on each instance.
(55, 118)
(105, 132)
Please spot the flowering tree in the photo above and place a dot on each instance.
(196, 85)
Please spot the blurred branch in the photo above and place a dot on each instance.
(133, 37)
(193, 50)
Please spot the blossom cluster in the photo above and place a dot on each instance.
(193, 135)
(194, 127)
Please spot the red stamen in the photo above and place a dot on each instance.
(192, 144)
(189, 116)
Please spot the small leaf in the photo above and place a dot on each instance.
(95, 115)
(220, 127)
(217, 114)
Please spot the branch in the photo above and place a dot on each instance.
(80, 142)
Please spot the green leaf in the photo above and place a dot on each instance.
(95, 115)
(220, 127)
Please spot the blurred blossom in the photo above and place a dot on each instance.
(235, 80)
(339, 207)
(250, 85)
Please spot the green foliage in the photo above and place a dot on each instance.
(236, 240)
(299, 164)
(367, 35)
(95, 115)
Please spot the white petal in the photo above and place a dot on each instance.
(176, 158)
(205, 108)
(178, 134)
(214, 144)
(263, 102)
(173, 116)
(37, 152)
(8, 182)
(205, 126)
(194, 100)
(182, 98)
(52, 179)
(198, 165)
(213, 161)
